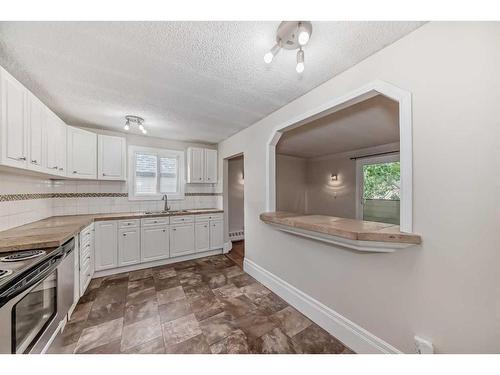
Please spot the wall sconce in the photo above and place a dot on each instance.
(334, 177)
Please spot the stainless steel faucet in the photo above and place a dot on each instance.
(165, 198)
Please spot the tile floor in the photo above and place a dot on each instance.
(208, 305)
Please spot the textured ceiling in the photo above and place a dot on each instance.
(370, 123)
(200, 81)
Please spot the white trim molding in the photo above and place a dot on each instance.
(351, 334)
(356, 96)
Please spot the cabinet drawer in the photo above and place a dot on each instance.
(182, 219)
(134, 223)
(85, 252)
(201, 218)
(155, 221)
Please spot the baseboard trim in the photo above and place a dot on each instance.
(352, 335)
(155, 263)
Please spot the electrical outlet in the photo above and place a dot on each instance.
(423, 346)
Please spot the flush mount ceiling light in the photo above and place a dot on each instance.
(134, 120)
(291, 35)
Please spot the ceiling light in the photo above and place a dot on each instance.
(304, 34)
(291, 35)
(134, 120)
(300, 61)
(268, 57)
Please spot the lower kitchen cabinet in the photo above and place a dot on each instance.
(216, 234)
(106, 245)
(182, 239)
(129, 246)
(202, 236)
(155, 243)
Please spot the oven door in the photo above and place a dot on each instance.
(30, 305)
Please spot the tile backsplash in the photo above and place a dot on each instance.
(24, 199)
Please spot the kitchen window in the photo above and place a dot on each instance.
(154, 172)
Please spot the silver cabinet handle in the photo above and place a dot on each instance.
(124, 234)
(21, 158)
(55, 167)
(173, 229)
(61, 169)
(164, 230)
(75, 172)
(34, 161)
(104, 174)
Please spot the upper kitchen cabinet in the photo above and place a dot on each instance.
(202, 165)
(13, 121)
(55, 144)
(111, 158)
(36, 133)
(81, 153)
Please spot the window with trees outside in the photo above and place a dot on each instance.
(155, 172)
(379, 189)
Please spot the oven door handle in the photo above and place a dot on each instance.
(22, 285)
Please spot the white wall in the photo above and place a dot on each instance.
(291, 183)
(236, 194)
(446, 289)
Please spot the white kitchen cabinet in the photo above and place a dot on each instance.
(154, 242)
(86, 258)
(210, 175)
(36, 133)
(55, 144)
(106, 245)
(13, 121)
(111, 158)
(202, 165)
(216, 234)
(202, 236)
(195, 161)
(129, 246)
(81, 153)
(181, 239)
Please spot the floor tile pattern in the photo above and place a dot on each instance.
(208, 305)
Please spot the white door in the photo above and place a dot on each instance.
(111, 157)
(106, 245)
(216, 235)
(195, 165)
(14, 118)
(154, 243)
(181, 239)
(210, 166)
(36, 119)
(81, 153)
(129, 246)
(202, 236)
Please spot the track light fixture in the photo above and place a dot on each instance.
(130, 119)
(291, 35)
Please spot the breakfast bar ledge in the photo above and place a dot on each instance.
(360, 235)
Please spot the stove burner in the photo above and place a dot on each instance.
(5, 273)
(22, 256)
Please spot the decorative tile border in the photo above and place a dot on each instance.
(23, 197)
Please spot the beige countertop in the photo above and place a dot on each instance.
(346, 228)
(56, 230)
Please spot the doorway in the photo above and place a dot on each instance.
(235, 208)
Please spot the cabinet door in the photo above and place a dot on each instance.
(36, 118)
(195, 165)
(81, 153)
(106, 245)
(202, 236)
(61, 147)
(210, 166)
(216, 234)
(14, 118)
(181, 239)
(51, 145)
(154, 243)
(129, 246)
(111, 158)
